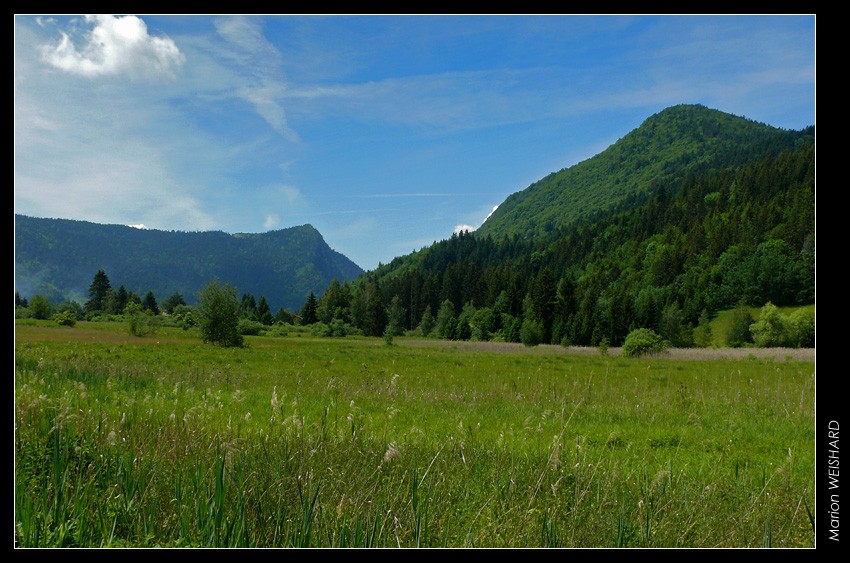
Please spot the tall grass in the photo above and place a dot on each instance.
(299, 442)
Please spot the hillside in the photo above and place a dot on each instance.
(737, 226)
(660, 153)
(59, 257)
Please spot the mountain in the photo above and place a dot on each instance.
(663, 150)
(694, 212)
(59, 258)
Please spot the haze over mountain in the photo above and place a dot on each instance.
(59, 258)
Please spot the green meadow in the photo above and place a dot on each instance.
(295, 441)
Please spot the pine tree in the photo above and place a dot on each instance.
(309, 311)
(97, 291)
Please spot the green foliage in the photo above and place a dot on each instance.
(309, 312)
(395, 317)
(98, 290)
(771, 329)
(141, 321)
(264, 314)
(736, 222)
(65, 318)
(40, 307)
(428, 322)
(643, 341)
(172, 302)
(149, 303)
(674, 329)
(703, 335)
(247, 327)
(739, 332)
(217, 315)
(531, 333)
(665, 147)
(774, 328)
(603, 347)
(801, 326)
(445, 321)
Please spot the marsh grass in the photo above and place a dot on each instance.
(310, 442)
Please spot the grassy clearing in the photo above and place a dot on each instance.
(722, 323)
(297, 441)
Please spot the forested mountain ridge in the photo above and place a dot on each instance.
(59, 257)
(659, 153)
(716, 236)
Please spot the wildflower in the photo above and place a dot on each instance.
(110, 438)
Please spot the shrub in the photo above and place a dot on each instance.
(771, 329)
(65, 318)
(141, 322)
(739, 333)
(801, 325)
(643, 341)
(247, 327)
(531, 333)
(603, 346)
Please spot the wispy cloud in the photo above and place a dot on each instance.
(115, 45)
(259, 62)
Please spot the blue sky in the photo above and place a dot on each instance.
(385, 133)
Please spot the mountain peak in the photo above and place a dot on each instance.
(659, 153)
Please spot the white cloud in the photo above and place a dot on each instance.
(139, 226)
(271, 222)
(252, 56)
(116, 45)
(460, 228)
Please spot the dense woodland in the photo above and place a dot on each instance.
(58, 257)
(719, 238)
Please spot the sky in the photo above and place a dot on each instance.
(386, 133)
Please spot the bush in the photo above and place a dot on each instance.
(771, 330)
(40, 307)
(739, 333)
(603, 347)
(531, 333)
(801, 324)
(247, 327)
(65, 318)
(141, 322)
(643, 341)
(565, 341)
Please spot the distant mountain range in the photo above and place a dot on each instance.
(58, 258)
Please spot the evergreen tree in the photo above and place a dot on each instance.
(149, 303)
(308, 311)
(97, 291)
(264, 314)
(121, 299)
(172, 302)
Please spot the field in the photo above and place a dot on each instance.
(348, 442)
